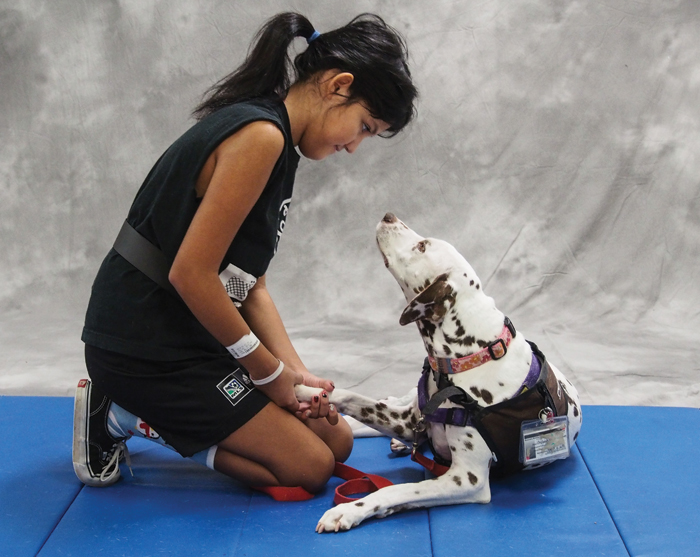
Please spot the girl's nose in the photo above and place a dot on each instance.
(350, 147)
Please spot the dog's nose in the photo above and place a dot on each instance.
(390, 217)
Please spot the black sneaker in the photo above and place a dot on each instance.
(96, 453)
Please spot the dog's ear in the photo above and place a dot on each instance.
(431, 303)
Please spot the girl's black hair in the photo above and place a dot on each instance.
(372, 51)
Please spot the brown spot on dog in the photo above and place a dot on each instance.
(429, 328)
(469, 435)
(472, 478)
(477, 287)
(575, 436)
(405, 414)
(501, 384)
(397, 509)
(360, 504)
(414, 420)
(468, 445)
(487, 396)
(476, 392)
(380, 406)
(453, 449)
(575, 410)
(376, 508)
(446, 349)
(457, 480)
(395, 415)
(398, 430)
(460, 331)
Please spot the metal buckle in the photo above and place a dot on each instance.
(503, 346)
(420, 426)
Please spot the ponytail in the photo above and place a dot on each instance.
(366, 47)
(265, 71)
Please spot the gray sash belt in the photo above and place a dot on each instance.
(143, 255)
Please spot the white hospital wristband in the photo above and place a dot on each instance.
(244, 346)
(269, 378)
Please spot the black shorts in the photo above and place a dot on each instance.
(193, 404)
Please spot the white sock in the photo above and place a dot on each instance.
(123, 424)
(206, 457)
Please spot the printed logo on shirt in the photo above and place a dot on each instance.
(284, 211)
(235, 387)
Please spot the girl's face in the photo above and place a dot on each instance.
(338, 125)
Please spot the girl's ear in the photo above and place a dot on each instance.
(338, 84)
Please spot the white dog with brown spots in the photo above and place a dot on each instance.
(461, 327)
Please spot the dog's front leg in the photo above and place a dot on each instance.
(454, 487)
(467, 481)
(385, 417)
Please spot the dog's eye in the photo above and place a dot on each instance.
(420, 246)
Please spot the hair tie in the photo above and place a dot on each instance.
(315, 35)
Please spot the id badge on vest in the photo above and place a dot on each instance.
(545, 439)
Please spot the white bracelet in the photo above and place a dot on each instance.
(244, 346)
(269, 378)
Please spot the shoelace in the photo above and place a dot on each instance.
(112, 466)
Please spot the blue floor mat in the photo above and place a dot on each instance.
(645, 461)
(631, 490)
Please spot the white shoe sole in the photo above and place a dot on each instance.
(81, 426)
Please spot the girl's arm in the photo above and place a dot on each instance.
(243, 164)
(261, 314)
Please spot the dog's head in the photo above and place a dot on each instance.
(423, 267)
(436, 280)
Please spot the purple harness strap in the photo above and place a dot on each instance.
(460, 416)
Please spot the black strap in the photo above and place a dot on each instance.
(456, 394)
(143, 255)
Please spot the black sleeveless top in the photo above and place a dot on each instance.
(128, 312)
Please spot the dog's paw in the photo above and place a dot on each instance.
(305, 394)
(399, 448)
(339, 518)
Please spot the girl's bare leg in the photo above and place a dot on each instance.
(276, 449)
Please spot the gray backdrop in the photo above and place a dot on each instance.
(556, 146)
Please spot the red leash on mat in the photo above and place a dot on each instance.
(356, 482)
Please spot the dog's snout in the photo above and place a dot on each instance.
(390, 217)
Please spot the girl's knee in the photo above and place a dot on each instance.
(319, 471)
(342, 443)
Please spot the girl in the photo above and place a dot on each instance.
(200, 360)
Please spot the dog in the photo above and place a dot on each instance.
(458, 323)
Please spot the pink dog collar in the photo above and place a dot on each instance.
(494, 351)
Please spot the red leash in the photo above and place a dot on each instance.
(429, 464)
(357, 482)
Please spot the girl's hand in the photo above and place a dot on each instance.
(320, 406)
(281, 390)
